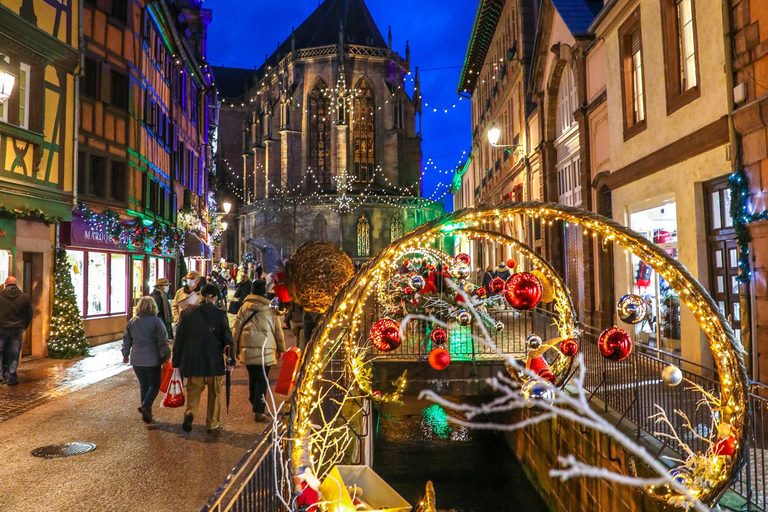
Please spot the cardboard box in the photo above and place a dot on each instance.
(376, 492)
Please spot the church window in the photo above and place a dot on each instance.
(319, 135)
(363, 130)
(363, 236)
(319, 227)
(396, 228)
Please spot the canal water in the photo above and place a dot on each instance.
(472, 470)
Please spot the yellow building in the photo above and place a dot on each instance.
(39, 47)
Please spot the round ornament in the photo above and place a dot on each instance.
(316, 273)
(615, 344)
(469, 288)
(463, 317)
(459, 272)
(439, 336)
(534, 390)
(407, 290)
(499, 326)
(274, 304)
(682, 475)
(377, 395)
(417, 282)
(671, 375)
(631, 308)
(385, 335)
(547, 290)
(523, 291)
(439, 358)
(533, 342)
(482, 292)
(496, 285)
(512, 263)
(462, 259)
(569, 347)
(725, 446)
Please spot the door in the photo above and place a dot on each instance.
(32, 285)
(723, 251)
(137, 281)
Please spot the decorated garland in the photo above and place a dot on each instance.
(739, 192)
(28, 213)
(158, 238)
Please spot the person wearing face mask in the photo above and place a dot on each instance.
(186, 296)
(160, 294)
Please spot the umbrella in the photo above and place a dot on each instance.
(228, 379)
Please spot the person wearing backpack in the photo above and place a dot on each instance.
(259, 343)
(202, 338)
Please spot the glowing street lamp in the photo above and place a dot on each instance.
(224, 226)
(227, 206)
(494, 132)
(7, 80)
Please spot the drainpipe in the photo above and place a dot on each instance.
(76, 127)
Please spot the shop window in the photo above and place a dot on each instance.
(76, 259)
(137, 271)
(97, 278)
(661, 327)
(117, 285)
(5, 264)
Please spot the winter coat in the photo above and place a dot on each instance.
(297, 314)
(163, 309)
(502, 273)
(262, 335)
(243, 290)
(15, 309)
(146, 340)
(184, 298)
(202, 334)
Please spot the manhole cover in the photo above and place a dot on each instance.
(63, 450)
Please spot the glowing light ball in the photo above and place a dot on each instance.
(569, 347)
(385, 335)
(496, 285)
(671, 375)
(631, 309)
(523, 291)
(417, 282)
(462, 259)
(512, 263)
(439, 337)
(533, 342)
(439, 358)
(463, 317)
(615, 344)
(316, 273)
(459, 272)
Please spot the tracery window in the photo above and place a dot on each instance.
(396, 227)
(320, 134)
(319, 227)
(363, 236)
(364, 132)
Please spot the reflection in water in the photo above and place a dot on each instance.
(472, 470)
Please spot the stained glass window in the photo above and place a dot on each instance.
(396, 228)
(363, 236)
(319, 227)
(364, 132)
(319, 134)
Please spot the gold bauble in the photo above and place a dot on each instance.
(316, 272)
(548, 291)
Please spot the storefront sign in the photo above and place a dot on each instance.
(83, 234)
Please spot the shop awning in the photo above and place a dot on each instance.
(195, 248)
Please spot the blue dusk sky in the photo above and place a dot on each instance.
(243, 31)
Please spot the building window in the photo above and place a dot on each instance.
(97, 176)
(680, 58)
(396, 227)
(24, 74)
(363, 129)
(569, 181)
(320, 134)
(90, 83)
(566, 102)
(97, 279)
(118, 84)
(319, 227)
(117, 179)
(633, 84)
(363, 236)
(119, 10)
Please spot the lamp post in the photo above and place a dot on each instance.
(227, 207)
(7, 80)
(494, 134)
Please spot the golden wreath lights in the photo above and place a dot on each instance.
(316, 273)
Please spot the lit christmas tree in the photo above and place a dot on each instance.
(67, 338)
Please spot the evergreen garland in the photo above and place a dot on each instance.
(739, 188)
(28, 213)
(67, 338)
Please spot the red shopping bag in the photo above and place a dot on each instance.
(175, 395)
(165, 376)
(285, 381)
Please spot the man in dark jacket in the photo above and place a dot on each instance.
(15, 317)
(160, 294)
(201, 338)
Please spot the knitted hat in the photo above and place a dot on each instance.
(209, 290)
(259, 287)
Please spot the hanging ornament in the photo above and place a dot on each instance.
(439, 336)
(533, 342)
(462, 259)
(496, 285)
(523, 291)
(463, 317)
(535, 390)
(726, 443)
(459, 272)
(615, 344)
(385, 335)
(417, 282)
(682, 475)
(407, 290)
(499, 326)
(547, 290)
(469, 288)
(569, 347)
(512, 263)
(671, 375)
(377, 395)
(275, 303)
(439, 358)
(482, 292)
(631, 309)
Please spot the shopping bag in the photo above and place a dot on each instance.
(175, 395)
(286, 382)
(165, 376)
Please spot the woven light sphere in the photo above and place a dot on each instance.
(316, 273)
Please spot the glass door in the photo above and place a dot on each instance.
(137, 281)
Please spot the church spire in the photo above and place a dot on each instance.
(407, 53)
(389, 38)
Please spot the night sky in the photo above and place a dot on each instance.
(243, 31)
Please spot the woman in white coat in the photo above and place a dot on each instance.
(259, 343)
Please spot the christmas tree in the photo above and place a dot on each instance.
(67, 338)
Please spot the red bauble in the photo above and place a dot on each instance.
(512, 263)
(439, 358)
(725, 446)
(569, 347)
(523, 291)
(407, 290)
(463, 258)
(385, 335)
(615, 344)
(482, 292)
(439, 336)
(496, 285)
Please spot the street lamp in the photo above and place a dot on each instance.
(227, 206)
(6, 80)
(224, 226)
(494, 133)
